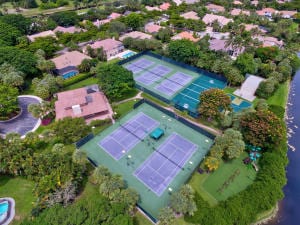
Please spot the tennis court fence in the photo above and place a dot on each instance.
(84, 140)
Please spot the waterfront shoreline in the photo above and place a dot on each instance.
(270, 217)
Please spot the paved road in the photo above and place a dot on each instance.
(24, 122)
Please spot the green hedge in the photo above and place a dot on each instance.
(76, 79)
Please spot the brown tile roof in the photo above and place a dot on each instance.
(190, 15)
(213, 7)
(73, 58)
(185, 35)
(106, 44)
(236, 12)
(41, 34)
(210, 18)
(152, 28)
(80, 103)
(165, 6)
(136, 34)
(71, 30)
(265, 10)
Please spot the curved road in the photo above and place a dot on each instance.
(25, 122)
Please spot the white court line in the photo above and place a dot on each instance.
(189, 97)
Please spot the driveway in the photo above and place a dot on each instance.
(24, 122)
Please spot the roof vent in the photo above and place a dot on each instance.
(89, 98)
(76, 109)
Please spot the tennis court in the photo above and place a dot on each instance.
(239, 104)
(159, 76)
(151, 166)
(188, 98)
(164, 163)
(123, 139)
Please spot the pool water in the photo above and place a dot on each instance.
(128, 54)
(3, 207)
(69, 74)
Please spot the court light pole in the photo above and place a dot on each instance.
(191, 164)
(170, 190)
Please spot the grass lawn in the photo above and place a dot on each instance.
(153, 99)
(207, 185)
(21, 190)
(229, 90)
(280, 96)
(124, 108)
(83, 83)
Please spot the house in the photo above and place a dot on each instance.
(87, 102)
(98, 23)
(255, 2)
(221, 45)
(268, 41)
(152, 28)
(215, 8)
(208, 19)
(215, 35)
(177, 2)
(112, 16)
(111, 47)
(287, 14)
(266, 12)
(152, 8)
(189, 2)
(165, 6)
(185, 35)
(237, 2)
(249, 27)
(70, 30)
(48, 33)
(66, 64)
(135, 35)
(236, 12)
(190, 15)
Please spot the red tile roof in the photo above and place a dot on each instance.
(80, 103)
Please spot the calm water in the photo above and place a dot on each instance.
(289, 213)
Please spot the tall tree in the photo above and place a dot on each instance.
(183, 50)
(214, 103)
(183, 201)
(262, 128)
(166, 216)
(8, 101)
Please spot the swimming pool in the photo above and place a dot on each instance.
(3, 207)
(69, 74)
(128, 54)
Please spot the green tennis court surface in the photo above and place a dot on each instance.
(152, 167)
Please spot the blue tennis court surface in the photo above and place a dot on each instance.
(158, 171)
(128, 135)
(175, 83)
(188, 99)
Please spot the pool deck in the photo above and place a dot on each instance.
(11, 211)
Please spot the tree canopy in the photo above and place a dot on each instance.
(8, 100)
(261, 128)
(115, 81)
(214, 103)
(22, 60)
(183, 50)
